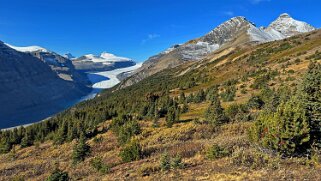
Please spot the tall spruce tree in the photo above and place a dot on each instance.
(81, 150)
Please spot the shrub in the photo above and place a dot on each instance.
(177, 162)
(131, 152)
(216, 152)
(215, 113)
(229, 94)
(238, 112)
(128, 130)
(286, 131)
(249, 158)
(98, 165)
(255, 102)
(58, 175)
(165, 162)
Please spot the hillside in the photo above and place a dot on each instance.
(163, 127)
(31, 90)
(237, 31)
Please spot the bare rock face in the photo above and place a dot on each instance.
(30, 90)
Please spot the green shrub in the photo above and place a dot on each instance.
(177, 162)
(98, 165)
(286, 130)
(237, 112)
(165, 162)
(128, 130)
(216, 152)
(215, 113)
(58, 175)
(131, 152)
(228, 94)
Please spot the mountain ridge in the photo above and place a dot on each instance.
(236, 31)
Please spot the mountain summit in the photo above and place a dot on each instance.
(288, 26)
(237, 31)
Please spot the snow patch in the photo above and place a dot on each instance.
(105, 58)
(27, 48)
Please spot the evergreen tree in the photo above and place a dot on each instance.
(61, 135)
(81, 150)
(286, 130)
(26, 140)
(310, 94)
(215, 113)
(58, 175)
(131, 152)
(182, 98)
(165, 162)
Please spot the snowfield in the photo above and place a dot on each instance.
(106, 79)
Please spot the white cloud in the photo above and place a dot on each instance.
(150, 37)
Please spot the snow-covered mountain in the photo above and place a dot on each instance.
(288, 26)
(59, 64)
(27, 49)
(237, 31)
(103, 62)
(30, 89)
(105, 58)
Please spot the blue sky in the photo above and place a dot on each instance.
(132, 28)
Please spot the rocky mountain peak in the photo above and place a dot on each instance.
(284, 15)
(288, 26)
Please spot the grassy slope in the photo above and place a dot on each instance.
(188, 138)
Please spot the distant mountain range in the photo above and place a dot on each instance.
(237, 31)
(103, 62)
(36, 83)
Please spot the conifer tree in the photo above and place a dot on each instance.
(81, 150)
(310, 94)
(215, 113)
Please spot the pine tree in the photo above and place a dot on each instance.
(61, 135)
(26, 140)
(81, 150)
(58, 175)
(215, 113)
(310, 94)
(165, 161)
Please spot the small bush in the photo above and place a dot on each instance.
(58, 175)
(98, 165)
(177, 162)
(165, 162)
(216, 152)
(131, 152)
(249, 158)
